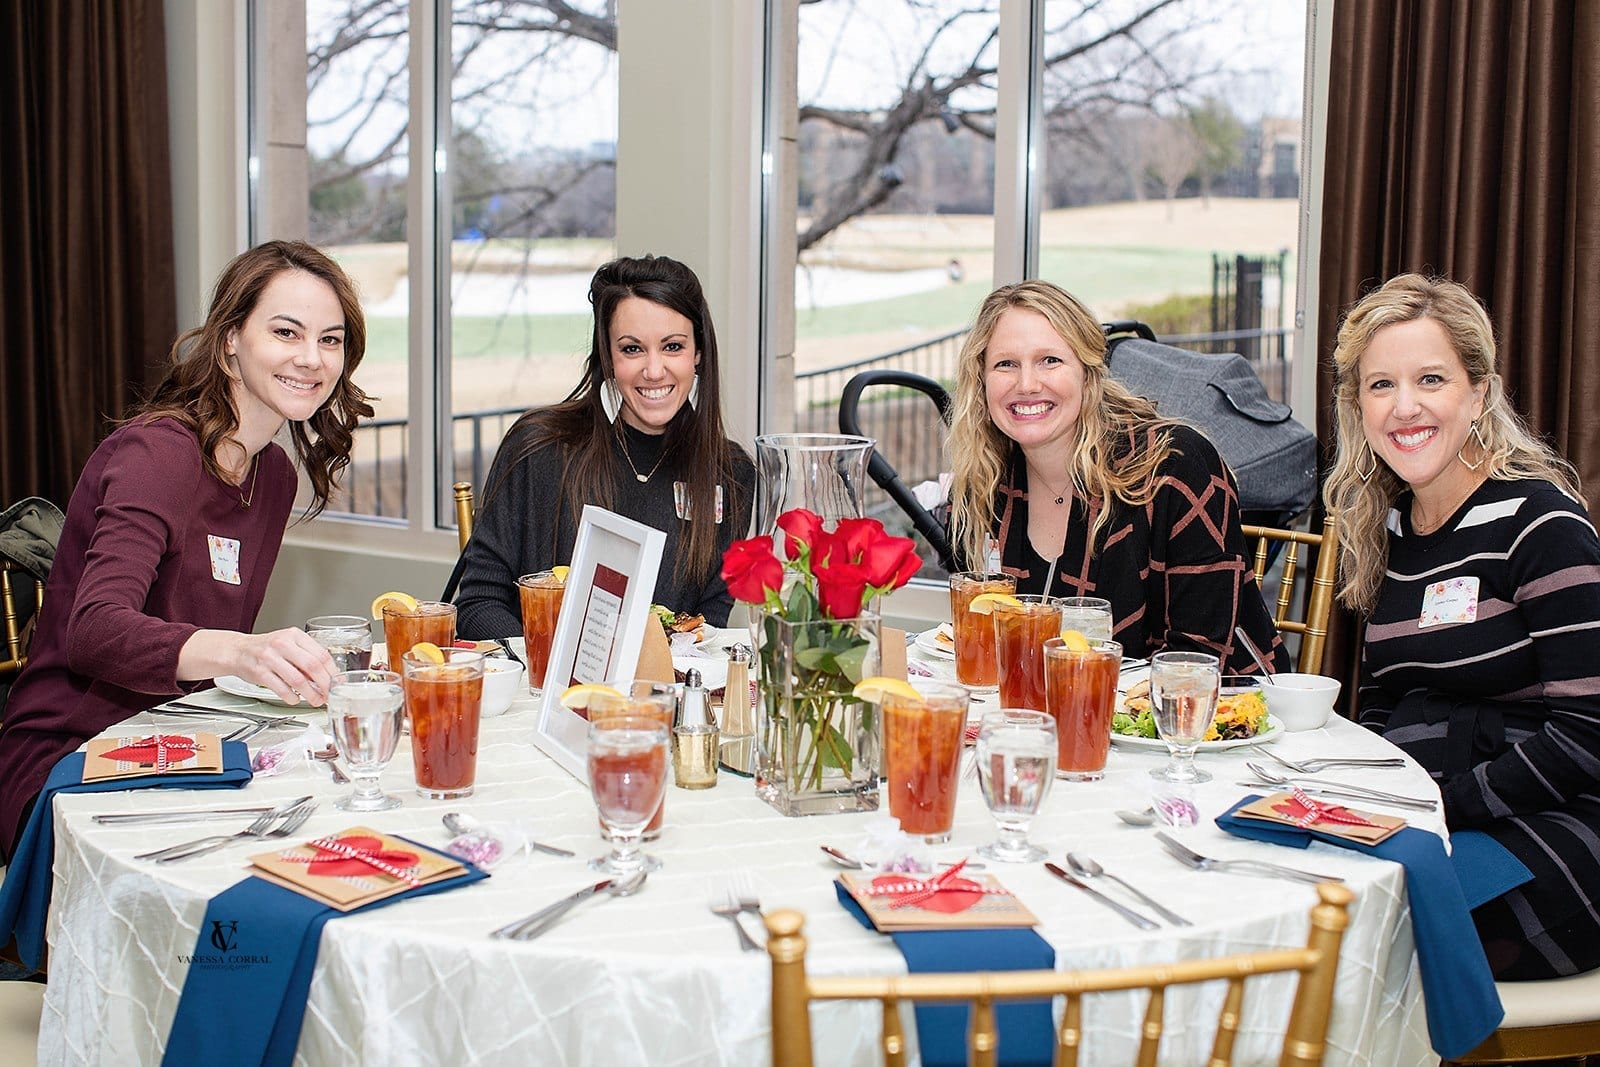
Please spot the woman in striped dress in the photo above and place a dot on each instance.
(1466, 544)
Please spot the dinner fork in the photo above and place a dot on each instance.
(292, 822)
(257, 828)
(745, 891)
(721, 901)
(249, 730)
(1322, 763)
(1193, 859)
(1341, 790)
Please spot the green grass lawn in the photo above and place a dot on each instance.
(1104, 278)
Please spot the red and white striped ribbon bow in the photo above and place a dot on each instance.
(1307, 812)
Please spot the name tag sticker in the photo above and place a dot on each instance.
(1451, 601)
(224, 558)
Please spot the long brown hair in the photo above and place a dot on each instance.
(1509, 447)
(197, 389)
(581, 429)
(1109, 417)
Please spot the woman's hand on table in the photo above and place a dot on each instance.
(287, 661)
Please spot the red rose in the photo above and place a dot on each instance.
(751, 570)
(804, 531)
(888, 562)
(841, 587)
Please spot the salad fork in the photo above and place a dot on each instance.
(292, 822)
(1322, 763)
(722, 901)
(257, 828)
(1190, 857)
(1343, 790)
(745, 892)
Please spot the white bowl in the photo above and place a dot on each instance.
(1300, 701)
(502, 681)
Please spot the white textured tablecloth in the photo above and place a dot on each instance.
(656, 978)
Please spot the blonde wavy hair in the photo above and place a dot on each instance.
(1108, 415)
(1509, 448)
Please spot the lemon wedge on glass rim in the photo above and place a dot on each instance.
(875, 689)
(1074, 640)
(560, 573)
(984, 603)
(401, 601)
(578, 697)
(429, 651)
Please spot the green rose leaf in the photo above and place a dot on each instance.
(834, 749)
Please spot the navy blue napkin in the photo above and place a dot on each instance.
(25, 894)
(1485, 867)
(1457, 987)
(1027, 1027)
(244, 998)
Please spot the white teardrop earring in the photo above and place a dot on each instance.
(694, 391)
(610, 399)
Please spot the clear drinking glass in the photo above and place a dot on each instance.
(364, 717)
(348, 639)
(628, 777)
(445, 702)
(1016, 766)
(1089, 615)
(1183, 691)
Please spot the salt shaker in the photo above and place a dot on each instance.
(694, 738)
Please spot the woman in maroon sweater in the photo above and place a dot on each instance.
(176, 520)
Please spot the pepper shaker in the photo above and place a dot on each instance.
(738, 723)
(694, 738)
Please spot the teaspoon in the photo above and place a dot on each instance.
(1147, 817)
(850, 863)
(1088, 869)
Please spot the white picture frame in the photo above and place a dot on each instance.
(600, 629)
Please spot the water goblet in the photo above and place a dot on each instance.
(365, 718)
(1183, 691)
(628, 777)
(1016, 766)
(348, 639)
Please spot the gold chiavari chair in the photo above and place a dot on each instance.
(1556, 1019)
(1313, 627)
(793, 992)
(17, 631)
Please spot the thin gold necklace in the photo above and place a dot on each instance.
(1061, 497)
(255, 471)
(1425, 528)
(622, 439)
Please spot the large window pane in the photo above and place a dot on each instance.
(532, 186)
(1171, 169)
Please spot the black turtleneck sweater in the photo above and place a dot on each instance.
(525, 527)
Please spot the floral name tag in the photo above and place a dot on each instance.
(1454, 600)
(224, 558)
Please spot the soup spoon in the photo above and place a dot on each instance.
(1088, 869)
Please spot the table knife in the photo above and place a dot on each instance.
(534, 924)
(1121, 909)
(178, 816)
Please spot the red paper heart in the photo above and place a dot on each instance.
(144, 750)
(330, 866)
(954, 897)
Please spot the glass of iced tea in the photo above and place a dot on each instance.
(431, 621)
(541, 605)
(628, 777)
(1020, 631)
(1089, 615)
(348, 639)
(922, 741)
(443, 702)
(1080, 693)
(974, 633)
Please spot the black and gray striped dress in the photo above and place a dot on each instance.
(1504, 710)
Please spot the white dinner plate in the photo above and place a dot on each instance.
(713, 669)
(240, 688)
(930, 645)
(1274, 728)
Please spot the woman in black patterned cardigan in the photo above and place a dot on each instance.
(1054, 460)
(1465, 543)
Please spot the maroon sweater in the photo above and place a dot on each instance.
(133, 579)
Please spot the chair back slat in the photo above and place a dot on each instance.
(1304, 1040)
(1154, 1023)
(1313, 627)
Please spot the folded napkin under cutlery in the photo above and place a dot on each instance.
(1027, 1028)
(25, 893)
(244, 998)
(1462, 1004)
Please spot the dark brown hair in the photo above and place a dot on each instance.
(197, 389)
(580, 428)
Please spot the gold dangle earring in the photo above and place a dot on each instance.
(1366, 475)
(1483, 448)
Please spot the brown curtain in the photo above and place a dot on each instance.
(1464, 140)
(87, 289)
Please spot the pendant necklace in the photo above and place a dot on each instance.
(255, 470)
(622, 439)
(1061, 497)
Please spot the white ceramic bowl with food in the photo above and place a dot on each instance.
(1299, 701)
(502, 681)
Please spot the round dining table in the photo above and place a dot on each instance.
(658, 978)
